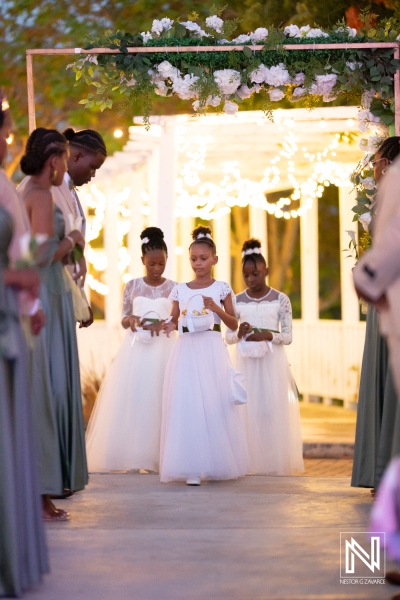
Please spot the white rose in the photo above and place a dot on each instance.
(298, 92)
(230, 108)
(183, 87)
(368, 183)
(352, 66)
(213, 101)
(130, 82)
(291, 31)
(157, 27)
(227, 80)
(324, 84)
(365, 220)
(298, 79)
(242, 39)
(245, 92)
(161, 89)
(277, 75)
(276, 94)
(303, 31)
(367, 97)
(329, 97)
(352, 234)
(166, 23)
(197, 30)
(196, 105)
(166, 70)
(258, 75)
(215, 23)
(259, 35)
(314, 33)
(146, 37)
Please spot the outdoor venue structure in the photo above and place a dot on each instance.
(153, 181)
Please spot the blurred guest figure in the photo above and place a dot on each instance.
(23, 554)
(378, 414)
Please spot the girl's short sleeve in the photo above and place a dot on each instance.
(127, 298)
(226, 290)
(174, 295)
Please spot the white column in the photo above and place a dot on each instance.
(258, 227)
(350, 305)
(152, 186)
(138, 185)
(111, 248)
(166, 219)
(186, 226)
(309, 264)
(222, 236)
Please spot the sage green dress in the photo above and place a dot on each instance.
(378, 411)
(23, 554)
(56, 378)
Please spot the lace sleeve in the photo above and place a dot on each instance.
(226, 290)
(127, 299)
(231, 336)
(285, 317)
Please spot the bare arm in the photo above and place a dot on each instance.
(40, 210)
(226, 314)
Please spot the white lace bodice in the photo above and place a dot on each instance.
(273, 311)
(218, 291)
(137, 294)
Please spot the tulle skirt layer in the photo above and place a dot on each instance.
(202, 431)
(271, 416)
(124, 429)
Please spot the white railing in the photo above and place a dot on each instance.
(325, 356)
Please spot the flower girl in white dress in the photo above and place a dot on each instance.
(271, 415)
(124, 429)
(202, 435)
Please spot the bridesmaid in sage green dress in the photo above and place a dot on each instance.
(23, 554)
(378, 411)
(55, 373)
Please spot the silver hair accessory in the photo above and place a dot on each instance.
(201, 235)
(145, 240)
(251, 251)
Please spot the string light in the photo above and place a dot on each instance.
(213, 200)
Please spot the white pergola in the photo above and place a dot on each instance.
(326, 355)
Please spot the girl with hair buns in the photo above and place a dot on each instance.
(55, 369)
(202, 435)
(124, 429)
(271, 416)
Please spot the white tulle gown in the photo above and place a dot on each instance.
(271, 415)
(202, 432)
(124, 429)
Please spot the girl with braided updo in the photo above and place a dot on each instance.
(378, 412)
(202, 436)
(271, 416)
(55, 373)
(124, 429)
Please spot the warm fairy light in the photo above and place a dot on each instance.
(212, 200)
(118, 133)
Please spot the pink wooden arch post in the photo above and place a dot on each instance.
(153, 50)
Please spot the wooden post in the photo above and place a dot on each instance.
(31, 93)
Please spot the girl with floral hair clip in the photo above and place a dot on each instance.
(271, 416)
(202, 436)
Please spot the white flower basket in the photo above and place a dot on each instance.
(198, 322)
(144, 335)
(252, 349)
